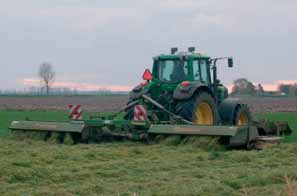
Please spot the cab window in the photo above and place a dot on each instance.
(203, 71)
(196, 70)
(172, 70)
(200, 70)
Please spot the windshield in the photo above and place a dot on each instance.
(172, 70)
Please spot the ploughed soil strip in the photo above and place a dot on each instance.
(267, 104)
(114, 103)
(88, 103)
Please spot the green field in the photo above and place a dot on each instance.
(123, 168)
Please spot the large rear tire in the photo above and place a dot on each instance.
(201, 109)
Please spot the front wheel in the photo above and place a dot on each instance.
(242, 116)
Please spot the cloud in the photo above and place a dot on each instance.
(246, 16)
(78, 86)
(102, 35)
(176, 17)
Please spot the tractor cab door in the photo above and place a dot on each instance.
(201, 71)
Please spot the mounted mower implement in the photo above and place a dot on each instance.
(180, 97)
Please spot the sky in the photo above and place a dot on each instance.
(109, 43)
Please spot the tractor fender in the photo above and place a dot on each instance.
(227, 110)
(186, 92)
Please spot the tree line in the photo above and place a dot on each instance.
(243, 86)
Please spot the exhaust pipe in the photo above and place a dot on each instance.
(174, 50)
(191, 49)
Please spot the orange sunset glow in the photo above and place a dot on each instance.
(78, 86)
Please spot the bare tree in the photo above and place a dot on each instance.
(260, 90)
(47, 75)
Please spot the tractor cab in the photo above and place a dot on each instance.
(171, 71)
(176, 68)
(182, 69)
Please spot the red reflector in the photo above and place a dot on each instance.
(185, 83)
(147, 75)
(140, 113)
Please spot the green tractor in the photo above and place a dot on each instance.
(186, 84)
(181, 96)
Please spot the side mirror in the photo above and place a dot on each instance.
(147, 75)
(230, 62)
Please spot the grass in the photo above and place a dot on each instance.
(38, 168)
(124, 168)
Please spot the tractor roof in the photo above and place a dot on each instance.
(181, 54)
